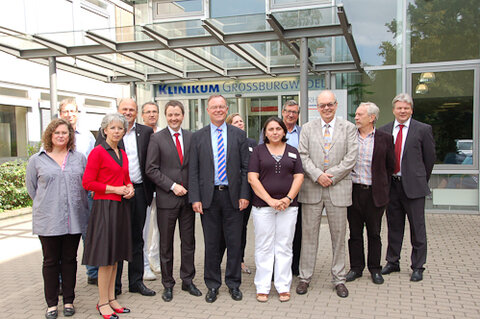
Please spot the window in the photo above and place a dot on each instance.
(167, 9)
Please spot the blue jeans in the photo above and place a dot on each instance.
(92, 271)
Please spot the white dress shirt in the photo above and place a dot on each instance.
(130, 142)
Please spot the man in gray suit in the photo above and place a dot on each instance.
(218, 190)
(414, 160)
(167, 167)
(328, 149)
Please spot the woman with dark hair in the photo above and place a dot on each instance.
(108, 238)
(59, 211)
(236, 120)
(275, 173)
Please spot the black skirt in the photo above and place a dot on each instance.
(109, 237)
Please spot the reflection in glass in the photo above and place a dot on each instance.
(448, 107)
(377, 32)
(443, 30)
(457, 191)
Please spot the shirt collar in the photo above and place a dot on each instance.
(213, 127)
(331, 123)
(172, 132)
(406, 124)
(133, 127)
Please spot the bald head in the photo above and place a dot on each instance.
(327, 105)
(128, 108)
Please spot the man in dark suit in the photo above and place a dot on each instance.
(218, 190)
(167, 166)
(371, 177)
(414, 159)
(135, 143)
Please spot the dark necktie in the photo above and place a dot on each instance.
(398, 148)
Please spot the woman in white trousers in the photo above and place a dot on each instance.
(275, 174)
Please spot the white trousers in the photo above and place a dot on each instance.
(151, 249)
(274, 231)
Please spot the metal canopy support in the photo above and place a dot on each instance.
(186, 53)
(52, 71)
(304, 80)
(278, 29)
(133, 91)
(347, 33)
(238, 50)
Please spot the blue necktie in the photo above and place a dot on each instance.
(222, 167)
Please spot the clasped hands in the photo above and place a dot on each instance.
(279, 204)
(325, 179)
(126, 191)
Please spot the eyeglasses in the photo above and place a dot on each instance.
(330, 105)
(291, 112)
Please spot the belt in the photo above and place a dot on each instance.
(396, 178)
(362, 186)
(221, 187)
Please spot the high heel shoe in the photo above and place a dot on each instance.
(110, 316)
(119, 310)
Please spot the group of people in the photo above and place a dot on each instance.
(353, 172)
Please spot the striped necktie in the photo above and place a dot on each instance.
(327, 143)
(222, 167)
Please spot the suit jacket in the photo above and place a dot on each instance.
(342, 158)
(143, 134)
(163, 167)
(383, 165)
(202, 168)
(418, 158)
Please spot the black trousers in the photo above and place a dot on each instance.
(167, 220)
(138, 212)
(363, 213)
(297, 242)
(59, 258)
(399, 206)
(222, 218)
(246, 216)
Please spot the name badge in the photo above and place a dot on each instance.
(250, 149)
(292, 155)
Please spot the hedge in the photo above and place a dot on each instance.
(13, 192)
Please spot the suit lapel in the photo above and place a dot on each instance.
(186, 146)
(229, 140)
(138, 132)
(410, 135)
(208, 140)
(336, 130)
(169, 140)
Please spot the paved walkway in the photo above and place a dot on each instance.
(450, 289)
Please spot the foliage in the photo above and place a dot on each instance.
(13, 192)
(33, 148)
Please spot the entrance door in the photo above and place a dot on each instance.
(258, 110)
(447, 99)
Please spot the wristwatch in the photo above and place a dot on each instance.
(291, 200)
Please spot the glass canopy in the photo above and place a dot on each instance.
(255, 45)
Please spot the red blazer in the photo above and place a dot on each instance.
(383, 165)
(103, 170)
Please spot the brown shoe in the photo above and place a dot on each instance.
(302, 287)
(342, 291)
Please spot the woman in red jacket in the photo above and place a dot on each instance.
(108, 234)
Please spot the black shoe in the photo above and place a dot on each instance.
(142, 289)
(167, 294)
(377, 278)
(68, 311)
(192, 289)
(51, 314)
(342, 291)
(118, 292)
(417, 275)
(235, 293)
(352, 275)
(211, 295)
(389, 268)
(92, 281)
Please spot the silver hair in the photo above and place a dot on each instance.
(291, 103)
(372, 109)
(112, 117)
(403, 97)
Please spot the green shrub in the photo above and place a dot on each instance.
(13, 192)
